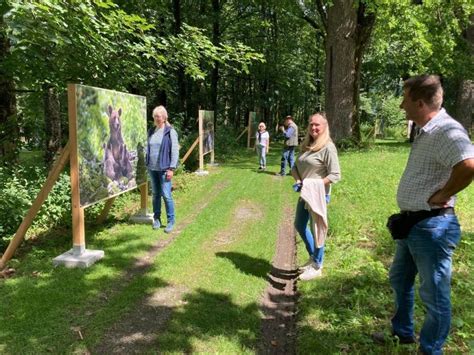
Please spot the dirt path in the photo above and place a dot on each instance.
(279, 300)
(136, 331)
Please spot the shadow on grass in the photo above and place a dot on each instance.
(41, 301)
(211, 316)
(247, 264)
(259, 268)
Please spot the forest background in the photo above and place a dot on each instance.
(274, 57)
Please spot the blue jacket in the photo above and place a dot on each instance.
(165, 149)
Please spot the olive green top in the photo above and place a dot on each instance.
(319, 165)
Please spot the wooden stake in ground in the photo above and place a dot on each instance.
(78, 233)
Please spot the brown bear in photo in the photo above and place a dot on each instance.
(116, 157)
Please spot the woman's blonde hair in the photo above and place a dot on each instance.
(262, 124)
(324, 138)
(161, 110)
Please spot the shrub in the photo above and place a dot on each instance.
(19, 188)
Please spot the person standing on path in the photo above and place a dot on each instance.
(318, 160)
(161, 160)
(262, 145)
(440, 164)
(290, 133)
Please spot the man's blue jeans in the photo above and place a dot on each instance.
(288, 155)
(428, 251)
(161, 188)
(301, 225)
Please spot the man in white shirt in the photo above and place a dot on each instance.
(441, 163)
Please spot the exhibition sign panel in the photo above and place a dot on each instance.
(111, 140)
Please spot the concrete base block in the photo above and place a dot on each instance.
(83, 260)
(201, 172)
(142, 218)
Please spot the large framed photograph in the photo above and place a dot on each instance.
(111, 140)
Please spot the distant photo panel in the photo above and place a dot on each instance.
(208, 131)
(252, 127)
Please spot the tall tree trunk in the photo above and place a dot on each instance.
(9, 131)
(465, 96)
(365, 25)
(52, 119)
(216, 35)
(348, 30)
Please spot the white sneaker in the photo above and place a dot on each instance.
(311, 272)
(305, 265)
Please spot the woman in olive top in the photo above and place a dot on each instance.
(318, 160)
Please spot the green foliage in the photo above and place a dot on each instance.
(381, 115)
(411, 39)
(19, 188)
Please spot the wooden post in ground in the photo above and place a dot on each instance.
(78, 256)
(58, 166)
(201, 137)
(78, 233)
(144, 197)
(142, 216)
(249, 129)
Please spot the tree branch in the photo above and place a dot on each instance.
(305, 15)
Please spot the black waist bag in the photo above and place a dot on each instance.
(400, 224)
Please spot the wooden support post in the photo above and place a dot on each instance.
(241, 134)
(201, 137)
(105, 211)
(144, 197)
(249, 130)
(188, 153)
(58, 166)
(78, 233)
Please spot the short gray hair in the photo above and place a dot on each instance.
(160, 110)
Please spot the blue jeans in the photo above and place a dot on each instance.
(161, 188)
(288, 155)
(301, 224)
(262, 151)
(428, 251)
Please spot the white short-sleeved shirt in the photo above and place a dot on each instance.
(265, 137)
(439, 145)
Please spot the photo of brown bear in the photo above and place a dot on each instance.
(116, 156)
(111, 131)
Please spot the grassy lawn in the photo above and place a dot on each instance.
(219, 263)
(339, 311)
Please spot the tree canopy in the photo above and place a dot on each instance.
(229, 56)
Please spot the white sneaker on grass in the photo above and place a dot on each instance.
(311, 272)
(306, 264)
